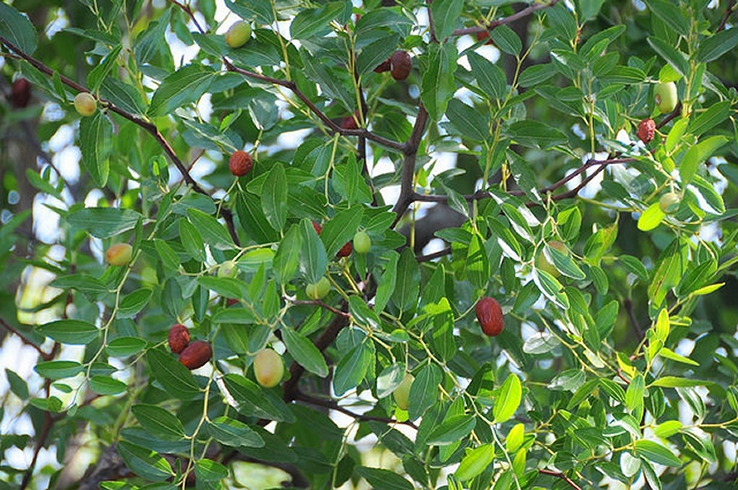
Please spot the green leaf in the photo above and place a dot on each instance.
(207, 470)
(17, 29)
(133, 303)
(192, 240)
(714, 115)
(386, 285)
(123, 95)
(144, 462)
(468, 121)
(475, 462)
(445, 15)
(98, 74)
(438, 85)
(362, 314)
(234, 433)
(211, 230)
(424, 391)
(304, 352)
(716, 45)
(74, 332)
(670, 14)
(252, 9)
(668, 428)
(274, 197)
(105, 385)
(96, 144)
(655, 452)
(671, 55)
(315, 22)
(452, 430)
(158, 422)
(407, 288)
(384, 479)
(477, 263)
(340, 229)
(58, 369)
(19, 386)
(537, 74)
(508, 400)
(251, 216)
(352, 368)
(313, 258)
(375, 53)
(506, 39)
(176, 379)
(104, 222)
(125, 346)
(535, 134)
(287, 258)
(489, 76)
(253, 401)
(182, 87)
(651, 217)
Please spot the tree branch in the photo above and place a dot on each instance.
(46, 356)
(559, 474)
(512, 18)
(728, 11)
(311, 400)
(407, 175)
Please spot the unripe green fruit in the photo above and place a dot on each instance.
(238, 34)
(85, 104)
(228, 269)
(362, 242)
(402, 392)
(669, 203)
(268, 368)
(665, 96)
(319, 289)
(119, 254)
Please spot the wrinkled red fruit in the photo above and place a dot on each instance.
(401, 65)
(196, 355)
(20, 93)
(178, 338)
(384, 66)
(490, 316)
(240, 163)
(646, 129)
(349, 122)
(345, 250)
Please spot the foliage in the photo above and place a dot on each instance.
(617, 363)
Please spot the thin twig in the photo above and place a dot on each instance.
(559, 474)
(434, 255)
(318, 303)
(512, 18)
(728, 11)
(47, 356)
(299, 395)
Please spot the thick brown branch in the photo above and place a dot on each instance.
(407, 175)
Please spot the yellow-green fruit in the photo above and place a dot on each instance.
(665, 96)
(268, 368)
(669, 203)
(402, 392)
(85, 104)
(119, 254)
(542, 262)
(238, 34)
(319, 289)
(228, 269)
(362, 242)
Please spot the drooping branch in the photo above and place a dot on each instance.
(507, 20)
(559, 474)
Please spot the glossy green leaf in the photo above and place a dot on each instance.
(144, 462)
(176, 379)
(438, 84)
(74, 332)
(475, 462)
(508, 400)
(655, 452)
(234, 433)
(182, 87)
(212, 231)
(304, 352)
(96, 144)
(274, 197)
(158, 422)
(17, 29)
(424, 390)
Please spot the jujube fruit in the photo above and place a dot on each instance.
(319, 289)
(240, 163)
(349, 122)
(238, 34)
(362, 242)
(196, 355)
(119, 254)
(402, 392)
(318, 228)
(228, 269)
(665, 96)
(268, 368)
(85, 104)
(179, 338)
(646, 130)
(384, 66)
(669, 203)
(20, 93)
(489, 314)
(345, 250)
(401, 64)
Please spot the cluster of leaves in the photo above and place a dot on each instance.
(601, 289)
